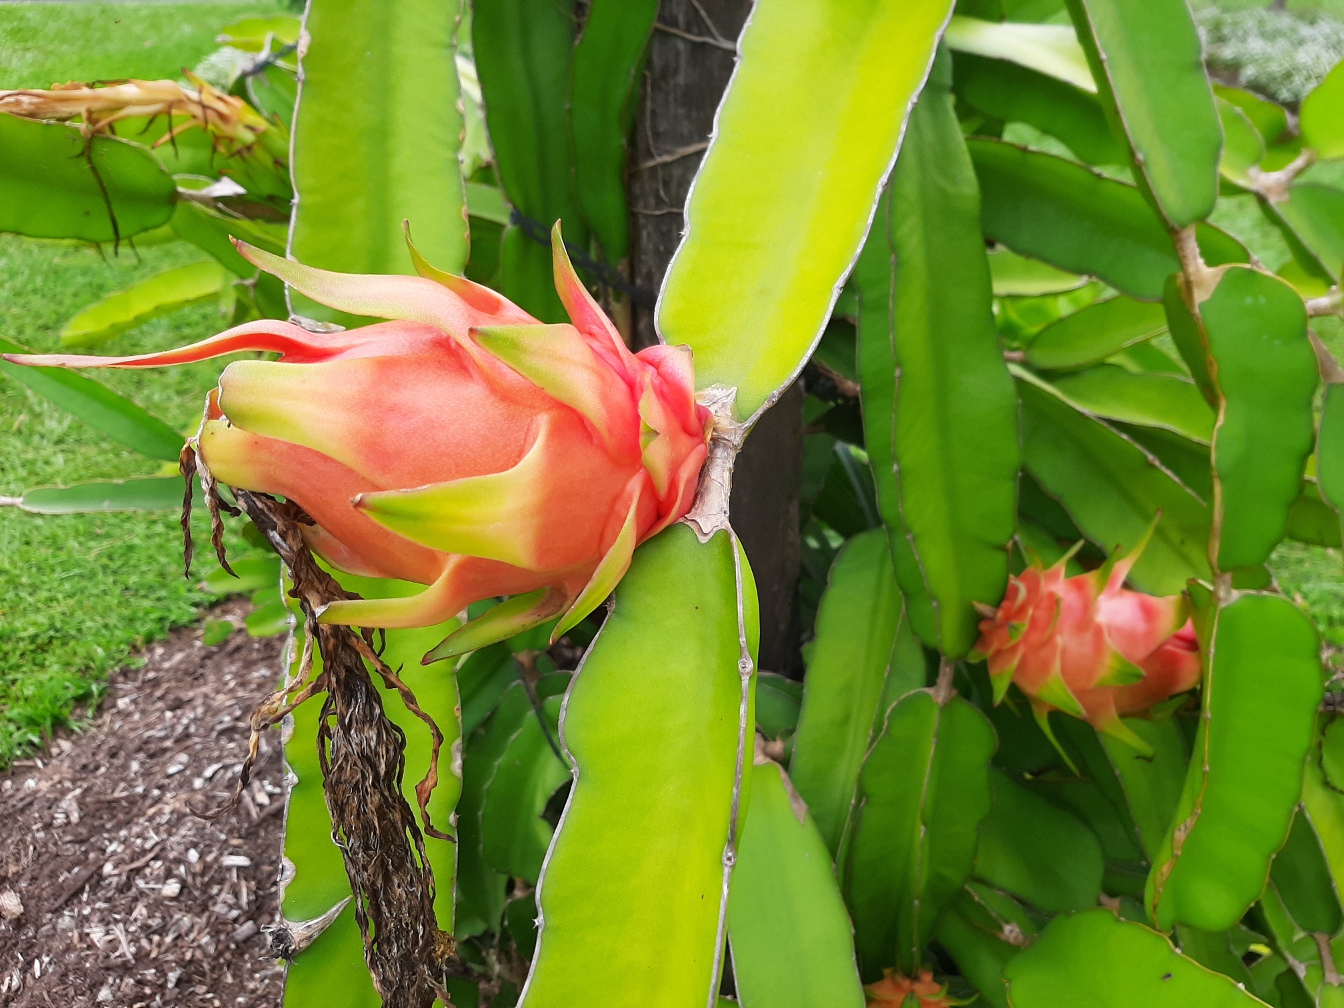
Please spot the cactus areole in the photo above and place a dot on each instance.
(1089, 647)
(461, 444)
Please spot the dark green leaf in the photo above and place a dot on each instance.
(1112, 488)
(779, 702)
(1187, 335)
(1013, 93)
(1152, 784)
(603, 94)
(1093, 958)
(955, 436)
(1096, 332)
(1213, 950)
(1269, 119)
(1290, 993)
(464, 993)
(480, 887)
(520, 920)
(1023, 747)
(275, 93)
(846, 672)
(487, 251)
(980, 947)
(1064, 213)
(523, 50)
(1034, 849)
(1330, 451)
(1312, 520)
(1149, 68)
(1017, 276)
(1097, 798)
(1262, 685)
(1323, 795)
(1332, 752)
(1021, 318)
(845, 502)
(252, 573)
(909, 669)
(1045, 511)
(1314, 214)
(55, 183)
(487, 203)
(269, 616)
(1187, 460)
(1255, 330)
(211, 232)
(877, 373)
(1151, 400)
(1243, 147)
(514, 837)
(838, 348)
(1302, 876)
(1149, 358)
(923, 794)
(483, 678)
(1304, 950)
(791, 938)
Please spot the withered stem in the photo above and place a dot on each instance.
(362, 756)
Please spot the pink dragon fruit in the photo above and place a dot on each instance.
(1089, 647)
(463, 444)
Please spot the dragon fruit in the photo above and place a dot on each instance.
(896, 990)
(462, 444)
(1088, 646)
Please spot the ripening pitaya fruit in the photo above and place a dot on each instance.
(896, 990)
(1089, 647)
(463, 445)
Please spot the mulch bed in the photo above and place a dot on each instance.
(112, 889)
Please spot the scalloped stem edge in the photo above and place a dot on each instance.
(746, 669)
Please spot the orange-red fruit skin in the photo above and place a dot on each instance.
(1093, 637)
(893, 990)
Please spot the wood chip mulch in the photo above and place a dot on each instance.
(113, 891)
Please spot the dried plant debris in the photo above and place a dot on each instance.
(362, 754)
(112, 891)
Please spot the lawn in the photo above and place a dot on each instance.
(46, 43)
(78, 594)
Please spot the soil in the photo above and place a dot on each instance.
(113, 889)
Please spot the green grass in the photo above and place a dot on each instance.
(46, 43)
(79, 593)
(1311, 577)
